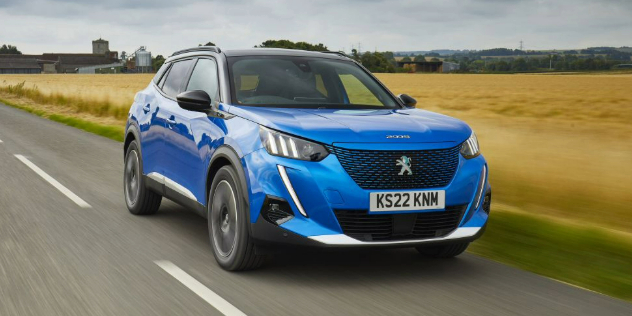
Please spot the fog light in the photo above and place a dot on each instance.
(276, 210)
(487, 202)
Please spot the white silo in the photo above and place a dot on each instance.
(143, 60)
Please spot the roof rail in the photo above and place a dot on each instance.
(336, 53)
(214, 49)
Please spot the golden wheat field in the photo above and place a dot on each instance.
(557, 145)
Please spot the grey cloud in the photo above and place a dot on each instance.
(167, 25)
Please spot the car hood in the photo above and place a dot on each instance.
(359, 126)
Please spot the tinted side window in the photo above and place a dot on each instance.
(160, 72)
(204, 77)
(162, 80)
(176, 75)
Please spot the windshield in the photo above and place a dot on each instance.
(304, 82)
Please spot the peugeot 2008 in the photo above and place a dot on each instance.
(301, 148)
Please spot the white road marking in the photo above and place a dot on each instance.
(53, 182)
(198, 288)
(0, 141)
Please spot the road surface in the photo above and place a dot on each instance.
(87, 255)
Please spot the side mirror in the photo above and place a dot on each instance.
(196, 100)
(409, 101)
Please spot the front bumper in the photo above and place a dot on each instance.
(322, 187)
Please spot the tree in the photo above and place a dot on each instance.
(376, 62)
(406, 59)
(419, 58)
(354, 55)
(157, 62)
(208, 44)
(8, 49)
(292, 45)
(435, 59)
(520, 64)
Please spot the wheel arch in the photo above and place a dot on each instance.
(131, 135)
(223, 156)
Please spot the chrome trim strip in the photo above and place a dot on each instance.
(172, 185)
(157, 177)
(290, 188)
(344, 240)
(180, 189)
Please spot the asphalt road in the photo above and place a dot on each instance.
(58, 258)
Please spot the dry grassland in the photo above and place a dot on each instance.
(557, 145)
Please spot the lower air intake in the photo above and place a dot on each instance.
(386, 227)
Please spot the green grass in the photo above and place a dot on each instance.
(112, 132)
(589, 257)
(109, 131)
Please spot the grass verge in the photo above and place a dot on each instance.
(94, 107)
(589, 257)
(109, 131)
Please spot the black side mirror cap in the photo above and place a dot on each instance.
(196, 100)
(408, 101)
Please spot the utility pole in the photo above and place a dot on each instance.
(359, 48)
(521, 47)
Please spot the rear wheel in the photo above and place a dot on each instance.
(228, 224)
(443, 251)
(139, 200)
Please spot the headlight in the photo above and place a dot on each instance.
(282, 145)
(470, 147)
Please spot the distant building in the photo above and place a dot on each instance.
(100, 46)
(59, 62)
(19, 64)
(428, 66)
(450, 67)
(69, 63)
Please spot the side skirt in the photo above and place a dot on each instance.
(174, 192)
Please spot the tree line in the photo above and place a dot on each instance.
(8, 49)
(533, 64)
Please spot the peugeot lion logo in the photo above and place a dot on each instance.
(405, 162)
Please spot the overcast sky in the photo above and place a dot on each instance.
(38, 26)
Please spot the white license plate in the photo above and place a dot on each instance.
(407, 201)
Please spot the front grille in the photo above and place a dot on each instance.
(378, 169)
(386, 227)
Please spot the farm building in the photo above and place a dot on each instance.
(69, 63)
(58, 63)
(428, 66)
(10, 65)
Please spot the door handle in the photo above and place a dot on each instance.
(146, 108)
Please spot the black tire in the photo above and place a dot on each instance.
(228, 223)
(139, 199)
(443, 251)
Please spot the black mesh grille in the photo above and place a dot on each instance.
(375, 169)
(384, 227)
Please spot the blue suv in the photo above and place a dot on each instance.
(286, 147)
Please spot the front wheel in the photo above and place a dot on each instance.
(443, 251)
(228, 224)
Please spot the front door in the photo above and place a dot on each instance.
(189, 134)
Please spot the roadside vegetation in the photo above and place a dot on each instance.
(559, 150)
